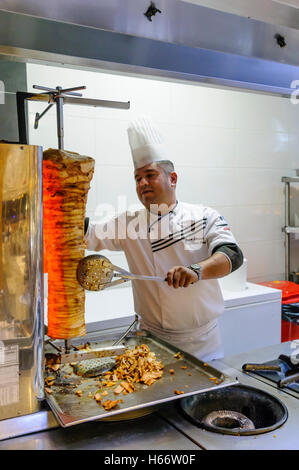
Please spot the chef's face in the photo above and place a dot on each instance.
(155, 186)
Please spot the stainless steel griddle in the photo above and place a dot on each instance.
(197, 377)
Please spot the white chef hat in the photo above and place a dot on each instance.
(146, 142)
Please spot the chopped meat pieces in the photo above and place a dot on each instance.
(118, 390)
(108, 383)
(97, 397)
(129, 387)
(49, 380)
(109, 404)
(178, 355)
(134, 366)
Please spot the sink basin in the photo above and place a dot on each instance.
(235, 410)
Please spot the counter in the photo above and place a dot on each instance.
(149, 432)
(165, 429)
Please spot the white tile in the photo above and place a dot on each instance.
(294, 150)
(92, 197)
(46, 134)
(262, 149)
(205, 185)
(268, 277)
(258, 186)
(200, 146)
(151, 97)
(79, 135)
(261, 112)
(115, 187)
(112, 88)
(112, 145)
(196, 104)
(52, 76)
(293, 116)
(258, 223)
(264, 258)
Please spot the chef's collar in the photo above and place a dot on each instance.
(167, 211)
(160, 216)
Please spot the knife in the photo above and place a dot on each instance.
(77, 356)
(261, 367)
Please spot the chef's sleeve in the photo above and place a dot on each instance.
(233, 254)
(106, 235)
(219, 238)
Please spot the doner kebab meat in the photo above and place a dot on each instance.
(66, 181)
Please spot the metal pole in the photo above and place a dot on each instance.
(60, 128)
(287, 235)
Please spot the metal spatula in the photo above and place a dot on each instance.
(95, 272)
(95, 367)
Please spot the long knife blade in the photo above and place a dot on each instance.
(77, 356)
(262, 367)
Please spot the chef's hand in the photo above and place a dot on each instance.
(180, 276)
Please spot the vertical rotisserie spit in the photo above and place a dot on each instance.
(66, 181)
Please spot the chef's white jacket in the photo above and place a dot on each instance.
(186, 317)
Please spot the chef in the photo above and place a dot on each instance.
(189, 245)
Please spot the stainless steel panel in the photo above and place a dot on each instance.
(147, 433)
(277, 12)
(289, 348)
(71, 409)
(21, 288)
(242, 20)
(239, 55)
(35, 422)
(284, 438)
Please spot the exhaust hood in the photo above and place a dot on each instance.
(235, 43)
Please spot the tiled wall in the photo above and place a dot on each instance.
(230, 149)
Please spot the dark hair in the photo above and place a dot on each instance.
(166, 165)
